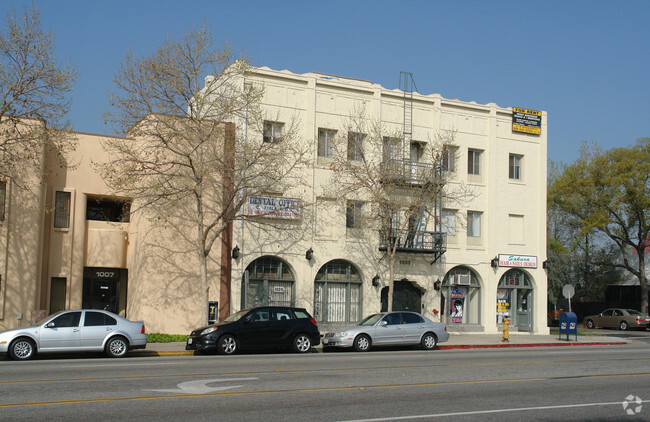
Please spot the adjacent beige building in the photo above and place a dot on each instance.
(73, 245)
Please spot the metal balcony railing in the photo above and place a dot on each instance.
(410, 172)
(415, 242)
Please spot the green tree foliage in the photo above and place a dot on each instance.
(604, 198)
(34, 101)
(569, 251)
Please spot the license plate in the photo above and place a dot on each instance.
(189, 341)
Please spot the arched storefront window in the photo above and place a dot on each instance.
(515, 300)
(267, 281)
(461, 298)
(337, 293)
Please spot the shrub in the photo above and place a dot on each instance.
(166, 338)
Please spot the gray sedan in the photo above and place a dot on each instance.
(85, 330)
(389, 329)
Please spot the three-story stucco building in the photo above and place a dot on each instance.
(490, 265)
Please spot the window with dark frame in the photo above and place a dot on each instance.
(273, 131)
(449, 159)
(473, 224)
(355, 146)
(326, 142)
(514, 167)
(353, 214)
(108, 209)
(62, 209)
(3, 199)
(474, 161)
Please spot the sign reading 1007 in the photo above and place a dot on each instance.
(527, 121)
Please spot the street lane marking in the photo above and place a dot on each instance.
(491, 411)
(201, 386)
(338, 369)
(304, 390)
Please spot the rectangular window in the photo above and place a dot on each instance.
(62, 209)
(107, 209)
(473, 224)
(273, 131)
(326, 142)
(390, 149)
(449, 158)
(355, 146)
(3, 199)
(448, 222)
(473, 161)
(353, 214)
(57, 294)
(514, 165)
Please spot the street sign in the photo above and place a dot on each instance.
(568, 291)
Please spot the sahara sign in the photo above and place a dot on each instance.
(274, 207)
(521, 261)
(527, 121)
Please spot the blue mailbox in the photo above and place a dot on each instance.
(568, 325)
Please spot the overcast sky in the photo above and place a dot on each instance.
(587, 63)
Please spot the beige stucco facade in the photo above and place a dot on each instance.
(150, 272)
(155, 278)
(511, 209)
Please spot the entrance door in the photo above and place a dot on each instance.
(523, 310)
(406, 297)
(102, 290)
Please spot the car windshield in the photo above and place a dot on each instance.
(370, 320)
(236, 316)
(633, 312)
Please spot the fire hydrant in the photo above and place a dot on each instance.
(506, 331)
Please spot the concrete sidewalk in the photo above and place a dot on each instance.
(456, 341)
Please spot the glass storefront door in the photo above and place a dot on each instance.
(515, 300)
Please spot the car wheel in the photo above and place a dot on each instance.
(302, 343)
(590, 324)
(429, 341)
(117, 347)
(362, 343)
(624, 325)
(22, 349)
(227, 345)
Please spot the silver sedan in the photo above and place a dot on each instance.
(389, 329)
(84, 330)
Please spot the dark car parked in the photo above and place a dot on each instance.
(259, 328)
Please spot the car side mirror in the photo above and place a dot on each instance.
(50, 325)
(383, 323)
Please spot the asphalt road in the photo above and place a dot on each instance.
(556, 383)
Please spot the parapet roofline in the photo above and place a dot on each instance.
(367, 85)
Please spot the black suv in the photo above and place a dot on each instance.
(258, 328)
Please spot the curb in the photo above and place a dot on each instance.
(439, 347)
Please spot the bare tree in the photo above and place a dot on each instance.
(399, 195)
(184, 161)
(34, 103)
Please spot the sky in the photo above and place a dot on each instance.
(586, 63)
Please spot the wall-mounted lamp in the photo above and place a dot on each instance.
(436, 285)
(375, 280)
(309, 254)
(546, 264)
(235, 252)
(494, 263)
